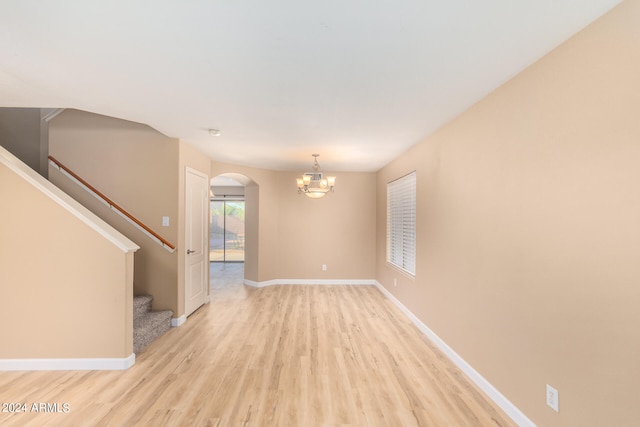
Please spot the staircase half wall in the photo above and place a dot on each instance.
(66, 279)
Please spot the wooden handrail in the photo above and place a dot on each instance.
(113, 205)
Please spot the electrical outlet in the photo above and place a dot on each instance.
(324, 267)
(552, 398)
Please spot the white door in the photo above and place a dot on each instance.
(196, 209)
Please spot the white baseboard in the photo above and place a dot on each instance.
(498, 398)
(308, 282)
(177, 321)
(115, 364)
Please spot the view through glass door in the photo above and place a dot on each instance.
(226, 232)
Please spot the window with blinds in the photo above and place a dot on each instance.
(401, 223)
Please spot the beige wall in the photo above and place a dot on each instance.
(20, 134)
(292, 236)
(65, 290)
(528, 230)
(337, 230)
(137, 167)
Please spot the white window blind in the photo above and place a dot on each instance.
(401, 223)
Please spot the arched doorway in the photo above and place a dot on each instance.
(227, 220)
(232, 229)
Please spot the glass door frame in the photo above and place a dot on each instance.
(224, 200)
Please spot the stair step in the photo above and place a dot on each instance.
(149, 327)
(141, 305)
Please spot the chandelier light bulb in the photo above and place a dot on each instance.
(313, 184)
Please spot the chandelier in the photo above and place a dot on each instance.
(313, 184)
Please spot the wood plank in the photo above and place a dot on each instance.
(280, 355)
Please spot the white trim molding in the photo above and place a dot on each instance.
(498, 398)
(52, 114)
(112, 364)
(177, 321)
(332, 282)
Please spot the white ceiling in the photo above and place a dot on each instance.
(357, 81)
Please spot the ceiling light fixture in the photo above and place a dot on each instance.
(313, 184)
(214, 132)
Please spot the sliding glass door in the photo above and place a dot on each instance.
(226, 232)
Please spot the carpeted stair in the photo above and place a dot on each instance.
(147, 324)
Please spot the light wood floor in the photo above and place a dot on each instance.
(275, 356)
